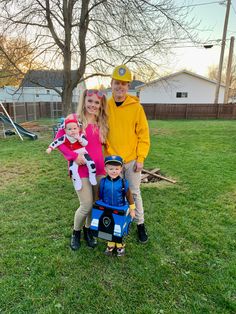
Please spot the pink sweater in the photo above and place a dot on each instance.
(94, 149)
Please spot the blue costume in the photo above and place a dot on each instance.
(113, 191)
(111, 217)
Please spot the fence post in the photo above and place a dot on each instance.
(14, 111)
(26, 112)
(155, 111)
(40, 110)
(186, 112)
(234, 111)
(218, 111)
(35, 111)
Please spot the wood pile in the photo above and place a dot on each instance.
(154, 176)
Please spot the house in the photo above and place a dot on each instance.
(183, 87)
(132, 88)
(40, 85)
(36, 98)
(37, 86)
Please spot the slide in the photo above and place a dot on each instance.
(20, 129)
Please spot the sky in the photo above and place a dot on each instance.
(211, 15)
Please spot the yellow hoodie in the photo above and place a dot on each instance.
(128, 134)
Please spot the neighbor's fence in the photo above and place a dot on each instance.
(190, 111)
(21, 112)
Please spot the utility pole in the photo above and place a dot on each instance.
(228, 72)
(222, 52)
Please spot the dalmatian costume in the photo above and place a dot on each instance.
(77, 144)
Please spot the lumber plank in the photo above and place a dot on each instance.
(144, 176)
(158, 176)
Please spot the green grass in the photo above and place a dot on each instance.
(188, 266)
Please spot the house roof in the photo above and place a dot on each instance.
(133, 85)
(49, 78)
(164, 78)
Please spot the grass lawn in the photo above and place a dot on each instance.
(189, 264)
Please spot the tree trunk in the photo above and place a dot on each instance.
(67, 100)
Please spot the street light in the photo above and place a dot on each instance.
(207, 46)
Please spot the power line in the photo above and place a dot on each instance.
(200, 4)
(233, 8)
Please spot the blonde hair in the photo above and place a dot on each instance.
(101, 119)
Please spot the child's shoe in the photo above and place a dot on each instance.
(120, 251)
(109, 250)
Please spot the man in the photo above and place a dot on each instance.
(128, 137)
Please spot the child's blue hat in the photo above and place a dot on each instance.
(114, 159)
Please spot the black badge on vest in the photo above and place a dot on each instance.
(106, 221)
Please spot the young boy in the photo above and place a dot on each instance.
(114, 190)
(75, 141)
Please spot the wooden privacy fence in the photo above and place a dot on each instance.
(29, 111)
(21, 112)
(190, 111)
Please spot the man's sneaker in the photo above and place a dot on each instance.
(142, 234)
(120, 251)
(75, 240)
(109, 250)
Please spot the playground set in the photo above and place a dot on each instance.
(5, 119)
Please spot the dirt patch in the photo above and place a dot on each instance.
(156, 132)
(12, 173)
(35, 126)
(158, 184)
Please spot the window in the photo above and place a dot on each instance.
(181, 95)
(37, 95)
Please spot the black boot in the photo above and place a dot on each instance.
(142, 234)
(88, 237)
(75, 240)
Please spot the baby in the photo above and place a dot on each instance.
(76, 141)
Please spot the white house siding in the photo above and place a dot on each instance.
(164, 91)
(33, 94)
(108, 92)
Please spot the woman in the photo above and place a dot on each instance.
(92, 113)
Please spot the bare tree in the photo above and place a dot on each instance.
(213, 75)
(91, 36)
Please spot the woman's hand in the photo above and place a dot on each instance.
(80, 160)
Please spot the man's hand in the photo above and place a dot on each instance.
(138, 167)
